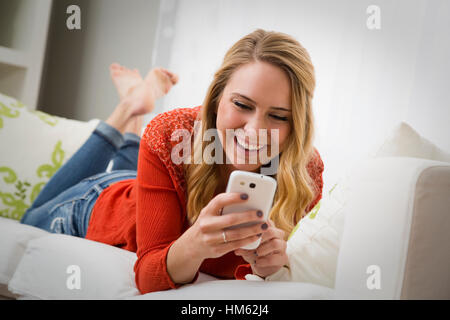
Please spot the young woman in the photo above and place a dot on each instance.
(169, 213)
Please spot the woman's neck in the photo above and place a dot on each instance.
(224, 175)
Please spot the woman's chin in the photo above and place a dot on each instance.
(246, 167)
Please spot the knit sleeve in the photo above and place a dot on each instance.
(315, 169)
(160, 140)
(161, 196)
(159, 222)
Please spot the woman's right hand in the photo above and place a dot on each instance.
(206, 234)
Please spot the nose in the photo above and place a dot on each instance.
(256, 128)
(254, 123)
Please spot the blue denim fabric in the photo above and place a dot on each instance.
(65, 203)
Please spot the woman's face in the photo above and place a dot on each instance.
(257, 96)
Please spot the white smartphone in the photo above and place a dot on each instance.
(261, 191)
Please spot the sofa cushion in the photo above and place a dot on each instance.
(242, 290)
(59, 266)
(33, 145)
(14, 239)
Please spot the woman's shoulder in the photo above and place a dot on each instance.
(315, 170)
(315, 163)
(159, 130)
(158, 139)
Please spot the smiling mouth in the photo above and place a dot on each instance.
(247, 146)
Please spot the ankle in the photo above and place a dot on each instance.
(134, 125)
(120, 117)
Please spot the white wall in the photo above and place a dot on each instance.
(76, 82)
(367, 80)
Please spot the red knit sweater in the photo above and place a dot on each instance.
(148, 214)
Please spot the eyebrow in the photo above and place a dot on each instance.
(252, 101)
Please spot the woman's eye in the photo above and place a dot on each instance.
(279, 117)
(242, 106)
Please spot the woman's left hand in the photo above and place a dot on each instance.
(270, 256)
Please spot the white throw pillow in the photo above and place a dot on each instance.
(65, 267)
(404, 141)
(313, 246)
(33, 145)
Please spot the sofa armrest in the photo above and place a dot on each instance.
(394, 244)
(427, 268)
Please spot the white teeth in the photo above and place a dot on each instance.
(248, 146)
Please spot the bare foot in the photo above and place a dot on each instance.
(124, 79)
(140, 94)
(162, 81)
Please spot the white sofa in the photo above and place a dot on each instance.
(383, 233)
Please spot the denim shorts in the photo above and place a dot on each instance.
(70, 212)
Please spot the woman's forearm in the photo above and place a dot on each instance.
(182, 263)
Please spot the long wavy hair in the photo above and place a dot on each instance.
(295, 187)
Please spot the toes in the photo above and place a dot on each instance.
(167, 72)
(114, 66)
(136, 71)
(116, 73)
(173, 77)
(161, 80)
(117, 70)
(118, 67)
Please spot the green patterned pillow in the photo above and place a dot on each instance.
(33, 146)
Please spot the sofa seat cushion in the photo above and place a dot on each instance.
(14, 239)
(58, 266)
(243, 290)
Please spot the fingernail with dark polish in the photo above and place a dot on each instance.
(244, 196)
(264, 226)
(259, 213)
(259, 234)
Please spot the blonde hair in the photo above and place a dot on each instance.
(295, 188)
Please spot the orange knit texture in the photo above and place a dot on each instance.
(147, 215)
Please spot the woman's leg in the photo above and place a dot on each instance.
(127, 156)
(70, 212)
(92, 158)
(136, 98)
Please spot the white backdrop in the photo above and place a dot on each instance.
(367, 80)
